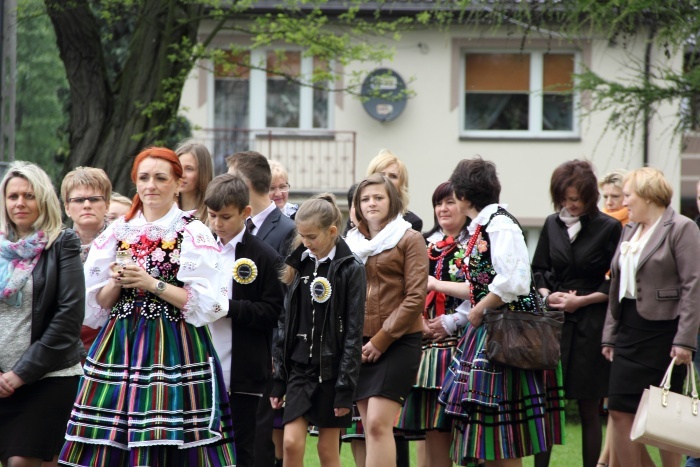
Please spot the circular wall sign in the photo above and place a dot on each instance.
(385, 95)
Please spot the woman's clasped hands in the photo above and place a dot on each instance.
(564, 301)
(130, 276)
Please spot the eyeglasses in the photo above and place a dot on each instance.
(284, 188)
(90, 199)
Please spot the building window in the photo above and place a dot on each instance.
(519, 95)
(264, 97)
(232, 92)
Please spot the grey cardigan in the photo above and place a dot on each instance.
(667, 277)
(58, 307)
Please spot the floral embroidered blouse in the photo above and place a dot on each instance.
(509, 269)
(177, 249)
(452, 269)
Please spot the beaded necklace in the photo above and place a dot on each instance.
(468, 252)
(438, 299)
(448, 246)
(143, 248)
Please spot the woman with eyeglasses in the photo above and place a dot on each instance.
(86, 194)
(279, 189)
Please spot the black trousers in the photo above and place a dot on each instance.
(244, 408)
(264, 447)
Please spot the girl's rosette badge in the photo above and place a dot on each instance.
(244, 271)
(321, 290)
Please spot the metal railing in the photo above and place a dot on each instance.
(316, 160)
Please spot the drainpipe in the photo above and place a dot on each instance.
(647, 116)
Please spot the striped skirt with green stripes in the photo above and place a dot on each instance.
(152, 394)
(421, 411)
(500, 412)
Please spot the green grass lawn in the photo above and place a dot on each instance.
(566, 455)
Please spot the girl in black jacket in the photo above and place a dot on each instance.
(318, 349)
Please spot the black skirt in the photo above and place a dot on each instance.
(393, 375)
(581, 355)
(641, 358)
(33, 420)
(314, 401)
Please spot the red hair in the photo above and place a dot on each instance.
(153, 152)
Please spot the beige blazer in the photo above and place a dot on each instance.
(667, 276)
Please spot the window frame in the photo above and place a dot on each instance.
(535, 96)
(257, 94)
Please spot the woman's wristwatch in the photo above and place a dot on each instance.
(160, 288)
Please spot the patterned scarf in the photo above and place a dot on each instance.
(17, 261)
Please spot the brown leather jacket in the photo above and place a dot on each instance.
(397, 280)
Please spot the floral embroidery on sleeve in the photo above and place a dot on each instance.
(189, 265)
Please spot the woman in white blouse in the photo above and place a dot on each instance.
(493, 404)
(654, 309)
(152, 393)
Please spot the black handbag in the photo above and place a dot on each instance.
(524, 339)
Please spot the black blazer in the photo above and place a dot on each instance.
(58, 308)
(277, 231)
(254, 311)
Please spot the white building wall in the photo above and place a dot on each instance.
(426, 135)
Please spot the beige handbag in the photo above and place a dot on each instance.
(669, 420)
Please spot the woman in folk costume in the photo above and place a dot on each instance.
(421, 415)
(152, 393)
(502, 414)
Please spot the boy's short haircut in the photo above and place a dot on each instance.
(254, 167)
(227, 190)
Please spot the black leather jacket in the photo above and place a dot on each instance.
(58, 307)
(341, 333)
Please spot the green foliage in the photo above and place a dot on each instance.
(41, 91)
(167, 38)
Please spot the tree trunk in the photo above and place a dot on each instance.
(110, 123)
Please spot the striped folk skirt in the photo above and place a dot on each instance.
(421, 411)
(499, 412)
(152, 394)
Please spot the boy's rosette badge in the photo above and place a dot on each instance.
(244, 271)
(321, 290)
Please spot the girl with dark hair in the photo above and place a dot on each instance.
(572, 258)
(396, 263)
(318, 347)
(393, 168)
(421, 414)
(153, 391)
(502, 414)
